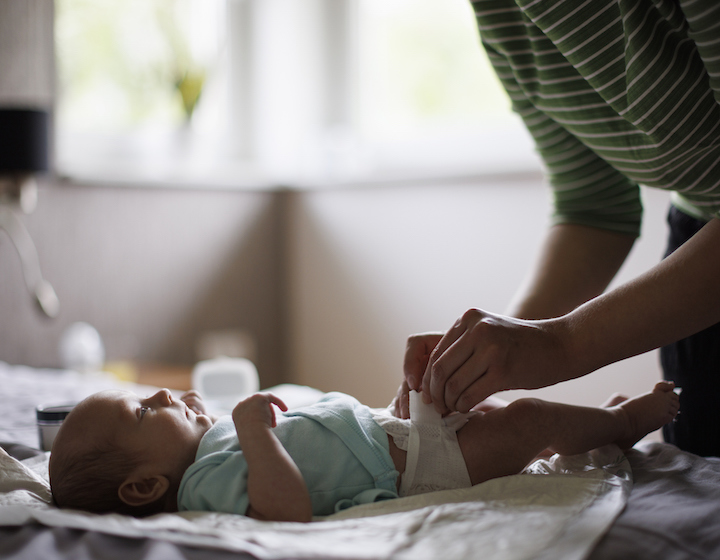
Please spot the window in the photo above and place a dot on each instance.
(424, 77)
(131, 77)
(277, 91)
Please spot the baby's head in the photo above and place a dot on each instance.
(116, 452)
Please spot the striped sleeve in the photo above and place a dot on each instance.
(703, 17)
(586, 189)
(635, 83)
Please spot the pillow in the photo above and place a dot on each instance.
(23, 483)
(20, 451)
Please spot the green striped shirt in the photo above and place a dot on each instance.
(615, 93)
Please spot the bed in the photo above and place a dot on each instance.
(651, 502)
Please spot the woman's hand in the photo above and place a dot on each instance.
(401, 403)
(417, 354)
(485, 353)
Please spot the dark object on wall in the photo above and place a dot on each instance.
(24, 153)
(23, 140)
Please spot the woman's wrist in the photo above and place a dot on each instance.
(568, 358)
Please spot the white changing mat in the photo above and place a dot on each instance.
(559, 509)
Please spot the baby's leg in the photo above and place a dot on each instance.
(502, 442)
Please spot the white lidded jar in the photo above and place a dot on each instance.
(49, 420)
(223, 382)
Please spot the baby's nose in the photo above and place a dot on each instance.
(163, 397)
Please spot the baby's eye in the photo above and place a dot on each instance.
(143, 410)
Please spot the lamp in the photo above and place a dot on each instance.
(23, 153)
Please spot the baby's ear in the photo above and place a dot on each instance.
(137, 491)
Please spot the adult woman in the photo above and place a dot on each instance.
(616, 93)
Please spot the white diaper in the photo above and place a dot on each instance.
(434, 460)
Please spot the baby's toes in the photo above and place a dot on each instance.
(663, 387)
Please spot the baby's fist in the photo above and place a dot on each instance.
(194, 401)
(258, 408)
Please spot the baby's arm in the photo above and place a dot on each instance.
(276, 489)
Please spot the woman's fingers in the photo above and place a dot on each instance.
(480, 355)
(471, 381)
(484, 353)
(440, 384)
(417, 353)
(401, 402)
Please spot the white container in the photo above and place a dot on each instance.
(49, 420)
(223, 382)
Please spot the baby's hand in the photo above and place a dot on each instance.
(258, 408)
(195, 402)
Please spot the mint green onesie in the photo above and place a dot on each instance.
(342, 453)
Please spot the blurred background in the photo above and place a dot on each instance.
(300, 182)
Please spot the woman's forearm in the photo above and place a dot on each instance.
(676, 298)
(576, 263)
(484, 353)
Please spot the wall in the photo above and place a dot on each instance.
(152, 269)
(155, 269)
(371, 265)
(26, 54)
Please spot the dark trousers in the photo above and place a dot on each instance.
(693, 364)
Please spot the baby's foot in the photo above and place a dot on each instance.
(648, 412)
(614, 400)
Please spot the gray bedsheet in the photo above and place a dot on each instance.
(674, 509)
(673, 513)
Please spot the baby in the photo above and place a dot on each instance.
(117, 452)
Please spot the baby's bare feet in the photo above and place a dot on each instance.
(614, 400)
(648, 412)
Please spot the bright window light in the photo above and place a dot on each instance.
(428, 95)
(139, 80)
(291, 92)
(422, 65)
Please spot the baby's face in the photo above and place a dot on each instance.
(160, 429)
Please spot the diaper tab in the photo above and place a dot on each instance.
(422, 413)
